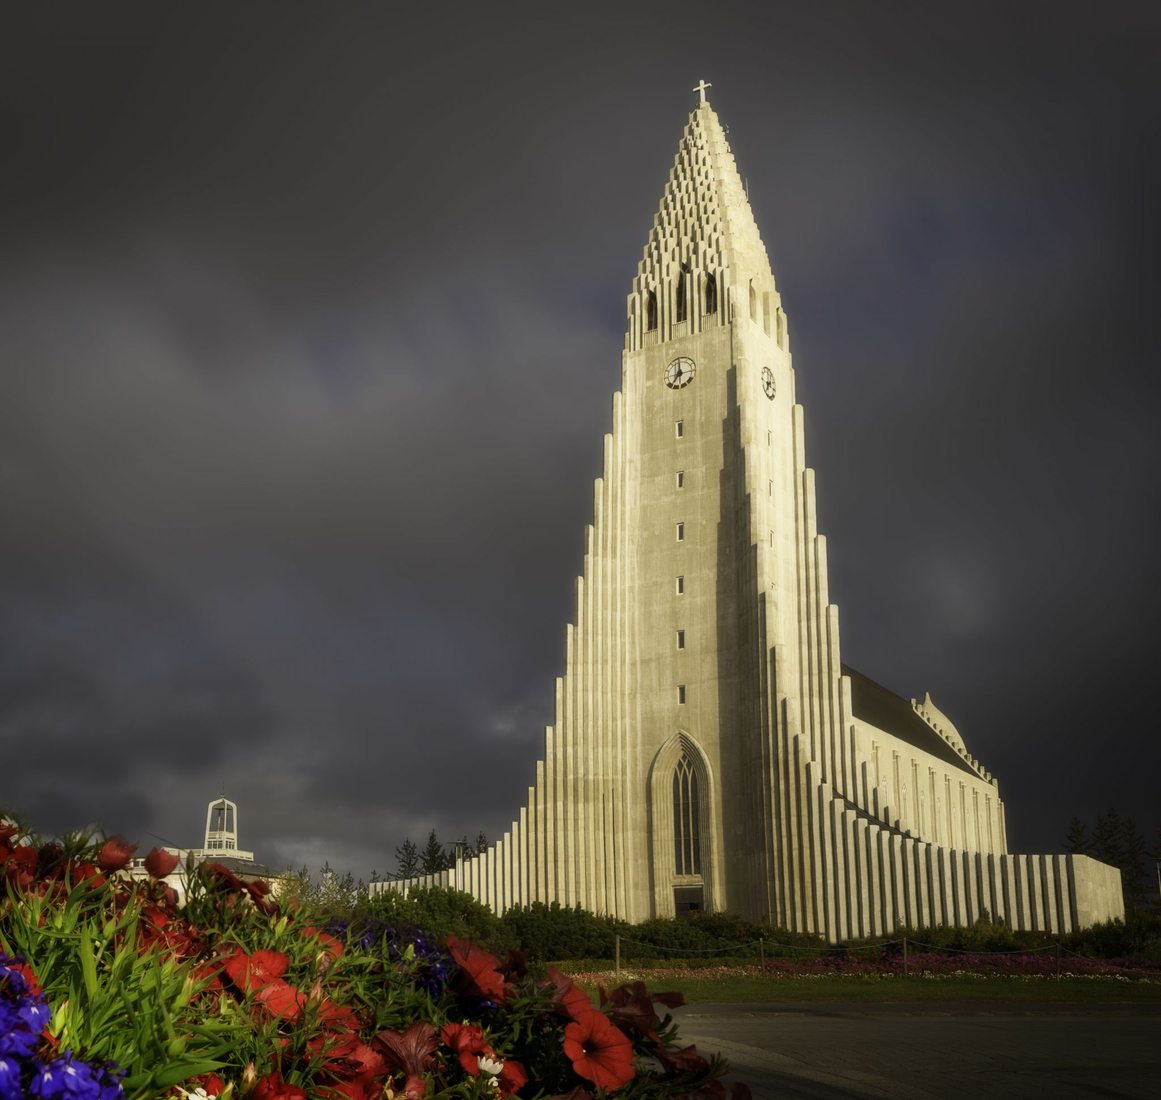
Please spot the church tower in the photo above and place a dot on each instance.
(709, 749)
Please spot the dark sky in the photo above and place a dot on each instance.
(310, 316)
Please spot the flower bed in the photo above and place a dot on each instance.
(109, 988)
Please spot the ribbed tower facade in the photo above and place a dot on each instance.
(709, 748)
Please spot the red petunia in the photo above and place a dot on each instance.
(480, 970)
(331, 948)
(115, 854)
(272, 1087)
(630, 1007)
(599, 1052)
(250, 972)
(160, 863)
(570, 999)
(468, 1043)
(280, 1000)
(512, 1078)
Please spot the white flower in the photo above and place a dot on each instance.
(488, 1066)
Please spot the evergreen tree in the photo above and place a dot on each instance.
(1134, 875)
(1076, 839)
(407, 856)
(481, 842)
(433, 858)
(1108, 839)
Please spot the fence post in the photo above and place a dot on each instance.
(905, 956)
(617, 957)
(762, 953)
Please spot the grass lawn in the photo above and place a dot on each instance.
(735, 984)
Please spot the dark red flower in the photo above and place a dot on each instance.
(331, 948)
(160, 863)
(631, 1006)
(85, 872)
(217, 875)
(250, 972)
(410, 1052)
(686, 1060)
(272, 1087)
(115, 854)
(479, 970)
(599, 1052)
(468, 1043)
(21, 865)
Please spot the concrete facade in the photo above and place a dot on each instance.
(709, 749)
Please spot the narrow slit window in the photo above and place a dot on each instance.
(681, 694)
(650, 311)
(680, 529)
(711, 294)
(769, 488)
(681, 639)
(680, 479)
(681, 296)
(681, 586)
(679, 429)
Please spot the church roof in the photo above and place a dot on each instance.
(882, 708)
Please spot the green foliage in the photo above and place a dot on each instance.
(548, 932)
(441, 913)
(407, 858)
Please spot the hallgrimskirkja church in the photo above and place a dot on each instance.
(709, 747)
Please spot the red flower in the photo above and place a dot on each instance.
(599, 1052)
(468, 1042)
(210, 1083)
(331, 948)
(272, 1087)
(280, 1000)
(160, 863)
(480, 970)
(250, 972)
(115, 854)
(85, 872)
(512, 1078)
(410, 1052)
(21, 865)
(570, 1000)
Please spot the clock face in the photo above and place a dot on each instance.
(679, 373)
(768, 382)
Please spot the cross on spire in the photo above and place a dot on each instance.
(700, 88)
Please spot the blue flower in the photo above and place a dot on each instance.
(10, 1086)
(68, 1078)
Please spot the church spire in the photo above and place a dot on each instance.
(704, 253)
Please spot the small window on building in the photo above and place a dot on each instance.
(770, 438)
(679, 429)
(681, 695)
(681, 586)
(770, 488)
(680, 479)
(680, 532)
(650, 311)
(681, 295)
(771, 538)
(753, 303)
(711, 294)
(681, 639)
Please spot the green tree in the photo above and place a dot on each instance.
(407, 857)
(1076, 840)
(482, 842)
(1134, 874)
(1108, 838)
(433, 858)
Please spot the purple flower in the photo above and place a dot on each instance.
(67, 1078)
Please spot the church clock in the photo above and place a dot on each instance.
(768, 382)
(679, 373)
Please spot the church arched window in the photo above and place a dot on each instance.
(686, 838)
(711, 294)
(650, 311)
(681, 295)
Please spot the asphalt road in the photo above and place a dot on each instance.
(917, 1051)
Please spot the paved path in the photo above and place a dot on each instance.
(845, 1050)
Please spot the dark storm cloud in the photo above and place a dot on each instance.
(310, 321)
